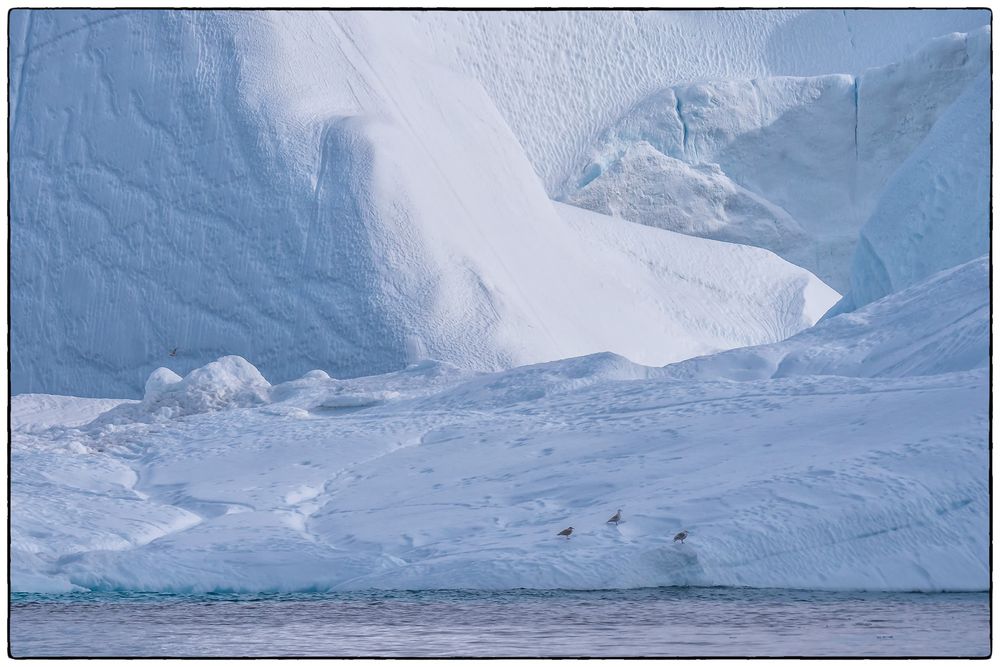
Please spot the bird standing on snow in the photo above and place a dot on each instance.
(681, 536)
(616, 518)
(567, 532)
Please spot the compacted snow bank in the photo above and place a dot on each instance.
(846, 483)
(438, 477)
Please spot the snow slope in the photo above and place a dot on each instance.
(854, 455)
(939, 325)
(309, 190)
(816, 151)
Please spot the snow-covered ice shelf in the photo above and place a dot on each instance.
(435, 477)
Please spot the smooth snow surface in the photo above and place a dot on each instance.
(339, 189)
(854, 455)
(937, 326)
(752, 161)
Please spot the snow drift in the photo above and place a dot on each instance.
(939, 325)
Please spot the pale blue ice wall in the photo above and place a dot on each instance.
(151, 207)
(935, 210)
(561, 78)
(149, 210)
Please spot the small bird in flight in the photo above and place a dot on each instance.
(567, 532)
(681, 536)
(616, 518)
(173, 352)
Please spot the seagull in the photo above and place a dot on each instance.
(616, 518)
(681, 536)
(173, 352)
(567, 532)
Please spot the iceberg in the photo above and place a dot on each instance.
(852, 456)
(180, 193)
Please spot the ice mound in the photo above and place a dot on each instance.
(227, 383)
(159, 381)
(648, 187)
(940, 325)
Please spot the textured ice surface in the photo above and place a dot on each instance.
(935, 211)
(848, 483)
(307, 190)
(562, 78)
(817, 149)
(643, 185)
(854, 455)
(239, 183)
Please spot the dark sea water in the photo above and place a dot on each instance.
(649, 622)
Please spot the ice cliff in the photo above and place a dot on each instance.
(935, 210)
(325, 189)
(795, 164)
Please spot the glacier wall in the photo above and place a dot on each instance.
(306, 190)
(935, 210)
(141, 220)
(561, 78)
(816, 151)
(179, 190)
